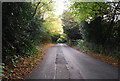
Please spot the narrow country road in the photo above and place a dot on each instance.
(64, 62)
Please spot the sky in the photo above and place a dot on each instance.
(60, 6)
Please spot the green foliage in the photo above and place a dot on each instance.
(16, 27)
(89, 10)
(45, 7)
(70, 27)
(62, 39)
(22, 31)
(80, 44)
(95, 37)
(99, 26)
(55, 37)
(1, 69)
(93, 32)
(53, 26)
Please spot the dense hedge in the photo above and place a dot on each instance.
(99, 25)
(21, 32)
(97, 39)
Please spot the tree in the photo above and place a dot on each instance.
(70, 27)
(89, 10)
(98, 25)
(16, 26)
(107, 13)
(22, 31)
(42, 8)
(53, 25)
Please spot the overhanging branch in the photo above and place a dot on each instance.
(40, 7)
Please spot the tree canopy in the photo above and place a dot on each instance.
(25, 26)
(97, 23)
(70, 26)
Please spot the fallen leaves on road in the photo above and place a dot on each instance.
(25, 65)
(102, 57)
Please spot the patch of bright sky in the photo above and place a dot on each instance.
(60, 6)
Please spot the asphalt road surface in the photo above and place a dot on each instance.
(64, 62)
